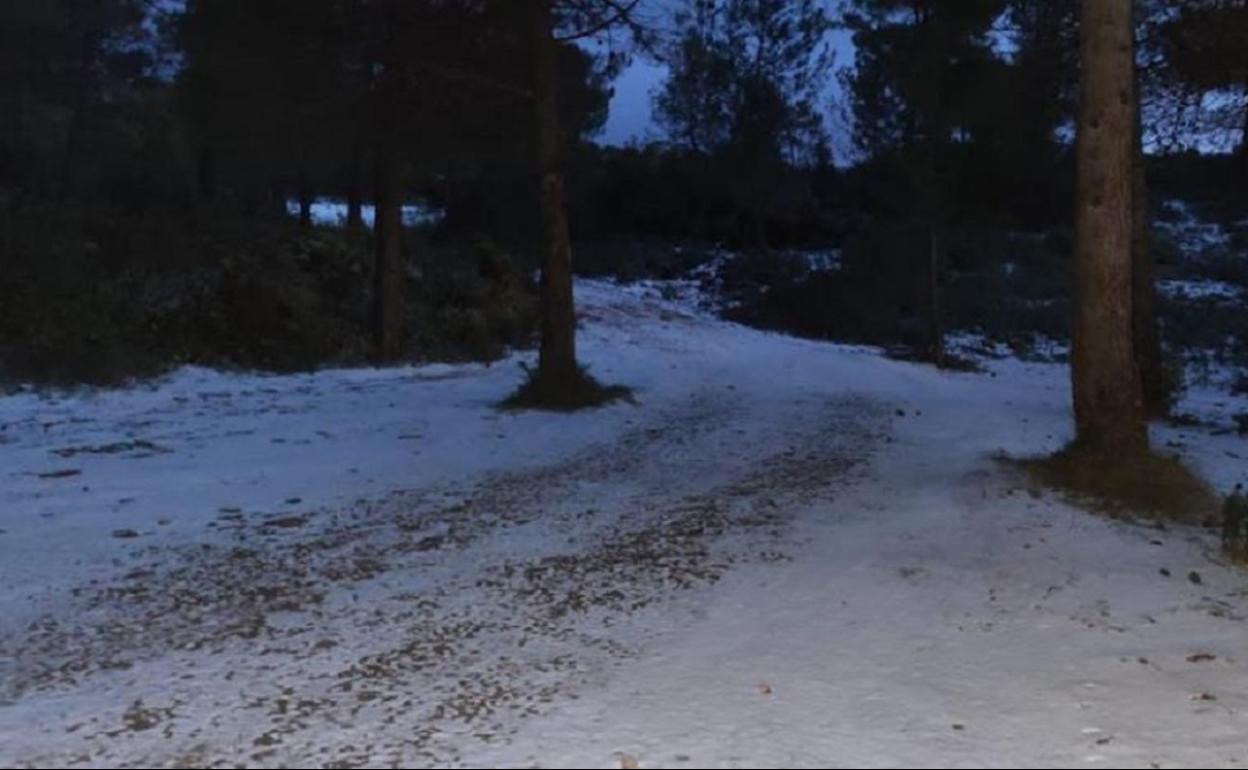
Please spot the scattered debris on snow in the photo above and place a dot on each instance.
(788, 553)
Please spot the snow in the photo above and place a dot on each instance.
(1194, 236)
(1196, 289)
(785, 553)
(826, 261)
(327, 212)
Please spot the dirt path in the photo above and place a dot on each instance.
(400, 631)
(755, 566)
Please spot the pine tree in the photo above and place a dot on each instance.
(919, 65)
(547, 24)
(744, 91)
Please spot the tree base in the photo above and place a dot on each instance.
(946, 361)
(566, 393)
(1141, 485)
(1235, 526)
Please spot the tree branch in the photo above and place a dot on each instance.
(622, 13)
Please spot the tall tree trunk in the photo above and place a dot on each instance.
(305, 200)
(388, 262)
(930, 179)
(1108, 403)
(557, 359)
(355, 186)
(1147, 336)
(388, 305)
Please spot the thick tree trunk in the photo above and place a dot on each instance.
(557, 359)
(388, 262)
(1147, 336)
(1108, 403)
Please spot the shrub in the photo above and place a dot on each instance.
(97, 297)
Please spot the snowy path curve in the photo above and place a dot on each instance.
(787, 554)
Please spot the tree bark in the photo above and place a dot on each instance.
(1108, 403)
(930, 179)
(305, 200)
(388, 275)
(557, 357)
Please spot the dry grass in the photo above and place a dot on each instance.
(1235, 526)
(1147, 485)
(564, 394)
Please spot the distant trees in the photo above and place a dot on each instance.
(114, 136)
(746, 92)
(919, 88)
(67, 70)
(261, 87)
(301, 94)
(1198, 72)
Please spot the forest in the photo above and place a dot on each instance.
(345, 351)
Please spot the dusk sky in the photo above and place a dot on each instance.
(631, 117)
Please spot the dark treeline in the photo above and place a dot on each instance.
(150, 158)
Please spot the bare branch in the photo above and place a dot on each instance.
(621, 13)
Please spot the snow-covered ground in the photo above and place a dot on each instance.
(784, 553)
(1200, 289)
(1193, 235)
